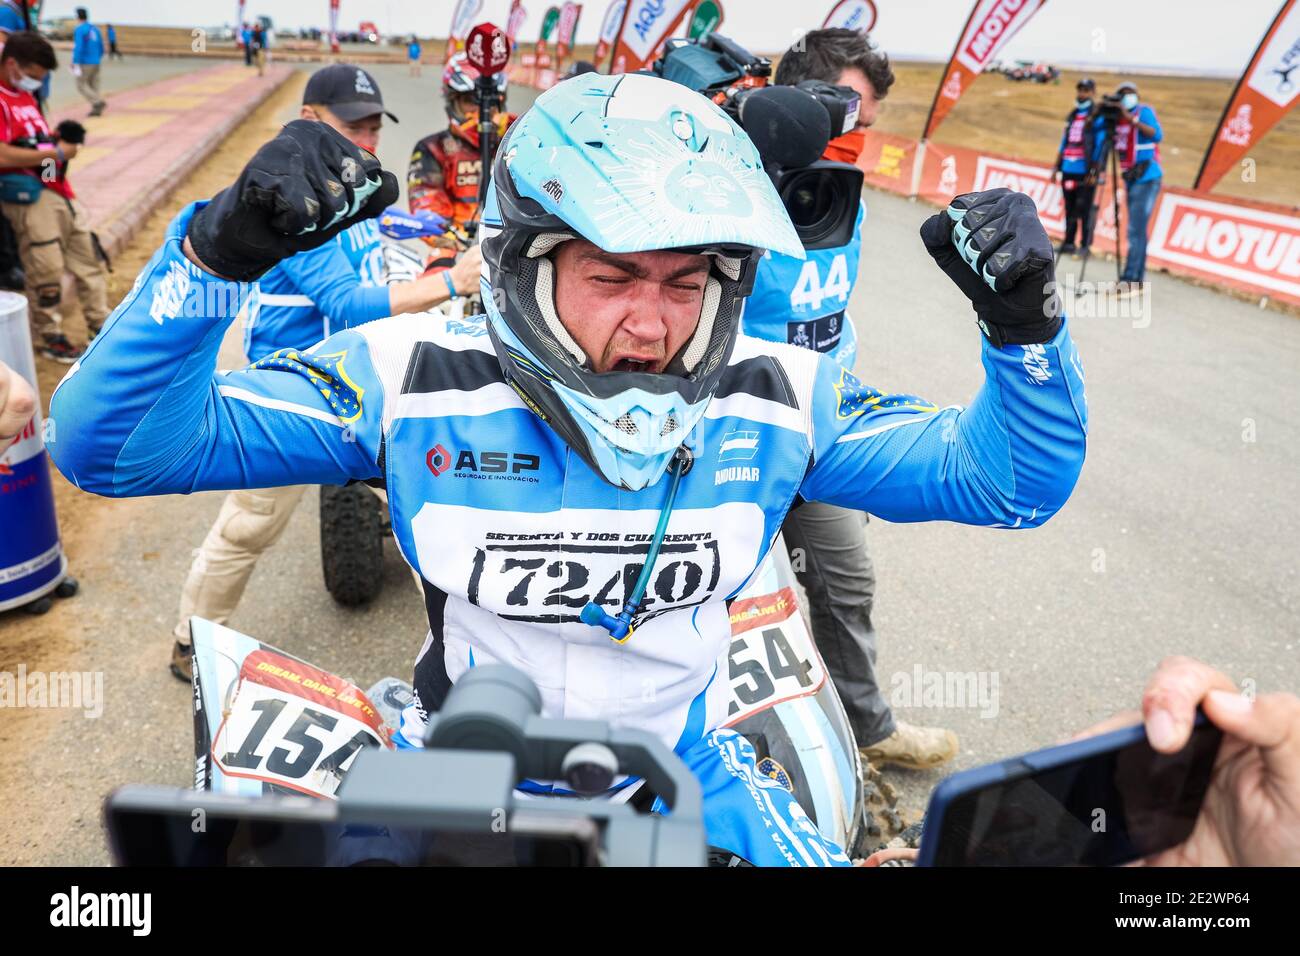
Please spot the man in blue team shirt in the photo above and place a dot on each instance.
(803, 302)
(304, 299)
(87, 52)
(1136, 139)
(1075, 167)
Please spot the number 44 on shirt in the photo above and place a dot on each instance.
(809, 291)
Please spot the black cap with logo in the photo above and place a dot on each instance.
(349, 91)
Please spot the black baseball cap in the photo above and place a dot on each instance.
(1085, 84)
(349, 91)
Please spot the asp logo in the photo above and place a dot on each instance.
(467, 463)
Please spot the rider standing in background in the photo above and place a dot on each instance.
(302, 300)
(443, 176)
(803, 303)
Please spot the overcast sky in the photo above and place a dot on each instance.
(1208, 36)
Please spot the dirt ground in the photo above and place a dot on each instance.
(1026, 119)
(56, 641)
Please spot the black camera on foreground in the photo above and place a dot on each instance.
(789, 125)
(1110, 109)
(68, 131)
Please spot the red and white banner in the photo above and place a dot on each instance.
(990, 25)
(646, 24)
(239, 24)
(517, 16)
(1263, 95)
(857, 15)
(1235, 245)
(609, 30)
(334, 26)
(569, 14)
(462, 18)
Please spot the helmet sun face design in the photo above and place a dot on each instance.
(630, 163)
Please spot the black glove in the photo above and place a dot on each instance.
(993, 246)
(297, 192)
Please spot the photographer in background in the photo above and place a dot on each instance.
(1076, 167)
(1136, 139)
(52, 227)
(804, 303)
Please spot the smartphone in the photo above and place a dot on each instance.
(1096, 802)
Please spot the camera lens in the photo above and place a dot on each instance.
(816, 203)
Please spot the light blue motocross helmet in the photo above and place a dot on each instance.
(631, 163)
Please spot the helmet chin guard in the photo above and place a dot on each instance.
(630, 163)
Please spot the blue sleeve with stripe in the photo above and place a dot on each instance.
(326, 277)
(1010, 459)
(145, 412)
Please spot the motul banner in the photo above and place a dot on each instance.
(646, 23)
(1233, 244)
(990, 25)
(569, 15)
(609, 29)
(517, 16)
(462, 18)
(1263, 95)
(857, 15)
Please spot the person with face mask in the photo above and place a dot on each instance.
(1137, 138)
(1075, 167)
(304, 299)
(52, 226)
(804, 302)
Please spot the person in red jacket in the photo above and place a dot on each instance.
(443, 177)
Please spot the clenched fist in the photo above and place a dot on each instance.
(993, 247)
(297, 192)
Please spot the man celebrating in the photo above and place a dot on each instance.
(530, 477)
(297, 303)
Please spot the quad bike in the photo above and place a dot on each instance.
(268, 725)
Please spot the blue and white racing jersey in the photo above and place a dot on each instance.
(511, 532)
(804, 301)
(314, 294)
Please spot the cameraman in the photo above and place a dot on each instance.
(1136, 136)
(804, 303)
(1075, 166)
(52, 226)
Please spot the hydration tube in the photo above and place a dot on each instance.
(620, 628)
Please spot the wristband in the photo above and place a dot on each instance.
(451, 287)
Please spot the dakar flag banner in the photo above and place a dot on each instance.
(990, 25)
(462, 18)
(609, 30)
(517, 17)
(1263, 95)
(646, 24)
(857, 15)
(334, 25)
(569, 14)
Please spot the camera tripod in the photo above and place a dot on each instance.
(1108, 156)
